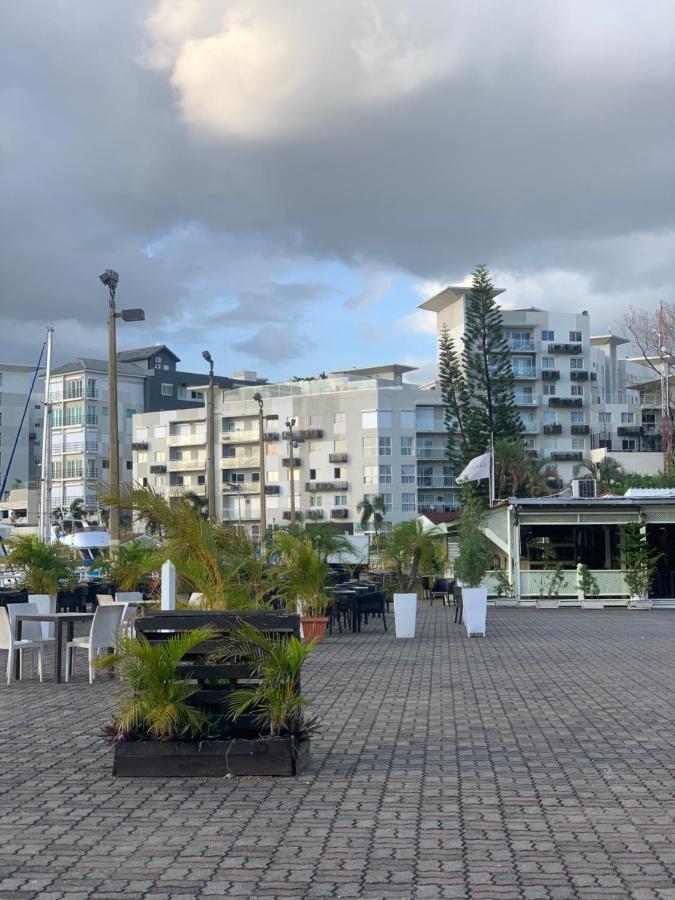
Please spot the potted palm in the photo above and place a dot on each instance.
(471, 565)
(45, 566)
(641, 563)
(408, 549)
(302, 576)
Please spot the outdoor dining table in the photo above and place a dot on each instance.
(59, 620)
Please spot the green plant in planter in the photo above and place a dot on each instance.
(301, 574)
(408, 549)
(474, 556)
(276, 704)
(587, 581)
(153, 701)
(641, 561)
(131, 564)
(502, 584)
(46, 566)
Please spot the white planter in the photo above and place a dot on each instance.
(405, 612)
(639, 602)
(548, 602)
(592, 603)
(474, 601)
(506, 601)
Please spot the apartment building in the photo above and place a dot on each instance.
(148, 379)
(572, 391)
(15, 389)
(357, 433)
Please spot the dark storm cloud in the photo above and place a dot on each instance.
(533, 137)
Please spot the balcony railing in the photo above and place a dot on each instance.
(436, 481)
(578, 375)
(179, 490)
(580, 429)
(552, 428)
(314, 513)
(182, 465)
(572, 348)
(158, 469)
(315, 487)
(338, 457)
(240, 437)
(339, 512)
(550, 374)
(567, 455)
(522, 346)
(531, 427)
(526, 399)
(245, 461)
(286, 462)
(438, 507)
(628, 430)
(432, 453)
(272, 489)
(247, 515)
(139, 445)
(91, 420)
(568, 402)
(525, 374)
(182, 440)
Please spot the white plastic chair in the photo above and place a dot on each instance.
(103, 634)
(11, 645)
(44, 604)
(105, 599)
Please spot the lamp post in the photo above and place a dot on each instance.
(210, 460)
(290, 423)
(110, 279)
(261, 450)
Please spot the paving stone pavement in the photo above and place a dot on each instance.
(535, 763)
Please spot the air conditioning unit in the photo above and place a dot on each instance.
(584, 488)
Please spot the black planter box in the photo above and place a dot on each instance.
(281, 756)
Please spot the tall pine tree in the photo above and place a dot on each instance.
(488, 374)
(455, 399)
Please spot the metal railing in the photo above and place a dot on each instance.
(522, 346)
(526, 399)
(436, 481)
(179, 465)
(525, 374)
(182, 440)
(432, 453)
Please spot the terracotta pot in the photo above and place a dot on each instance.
(314, 628)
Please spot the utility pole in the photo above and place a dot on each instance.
(110, 279)
(210, 442)
(290, 423)
(666, 424)
(261, 450)
(45, 516)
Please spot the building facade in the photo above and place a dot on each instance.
(15, 389)
(357, 433)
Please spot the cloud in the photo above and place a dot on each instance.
(420, 322)
(374, 291)
(273, 345)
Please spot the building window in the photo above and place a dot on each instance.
(628, 444)
(314, 421)
(167, 390)
(340, 500)
(384, 446)
(548, 362)
(407, 445)
(576, 362)
(312, 474)
(577, 390)
(370, 474)
(158, 362)
(627, 418)
(578, 444)
(315, 446)
(407, 418)
(315, 501)
(575, 336)
(339, 418)
(142, 457)
(57, 418)
(408, 474)
(548, 335)
(385, 474)
(129, 465)
(577, 417)
(408, 503)
(605, 418)
(160, 456)
(337, 472)
(549, 390)
(550, 444)
(104, 410)
(131, 413)
(550, 417)
(105, 464)
(369, 446)
(387, 502)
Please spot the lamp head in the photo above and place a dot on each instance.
(110, 278)
(207, 356)
(132, 315)
(258, 399)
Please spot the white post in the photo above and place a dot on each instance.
(168, 585)
(45, 501)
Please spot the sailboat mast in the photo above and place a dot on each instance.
(44, 520)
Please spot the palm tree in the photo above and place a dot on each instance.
(301, 574)
(45, 566)
(606, 473)
(409, 549)
(517, 475)
(372, 509)
(199, 502)
(327, 542)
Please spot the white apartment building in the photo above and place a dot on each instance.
(357, 433)
(571, 389)
(79, 400)
(15, 389)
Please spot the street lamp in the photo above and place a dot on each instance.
(261, 450)
(290, 423)
(110, 279)
(210, 442)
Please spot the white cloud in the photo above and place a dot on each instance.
(421, 322)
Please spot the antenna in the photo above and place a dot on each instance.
(666, 424)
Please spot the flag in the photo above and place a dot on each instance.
(478, 468)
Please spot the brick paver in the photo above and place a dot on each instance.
(536, 763)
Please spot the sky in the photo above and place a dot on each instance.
(284, 183)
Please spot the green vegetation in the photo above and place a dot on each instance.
(641, 561)
(474, 556)
(46, 566)
(410, 550)
(301, 574)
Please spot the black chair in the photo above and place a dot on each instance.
(459, 605)
(12, 595)
(426, 588)
(371, 603)
(442, 588)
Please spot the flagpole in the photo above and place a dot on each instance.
(492, 469)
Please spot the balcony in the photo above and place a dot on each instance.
(574, 349)
(522, 346)
(286, 462)
(316, 487)
(338, 457)
(526, 399)
(186, 440)
(525, 374)
(245, 461)
(567, 455)
(578, 375)
(553, 428)
(550, 375)
(649, 428)
(530, 427)
(139, 445)
(245, 515)
(183, 465)
(304, 434)
(240, 437)
(436, 481)
(272, 490)
(158, 469)
(531, 453)
(271, 436)
(179, 490)
(339, 512)
(628, 430)
(314, 513)
(432, 453)
(437, 507)
(581, 429)
(566, 402)
(91, 420)
(92, 394)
